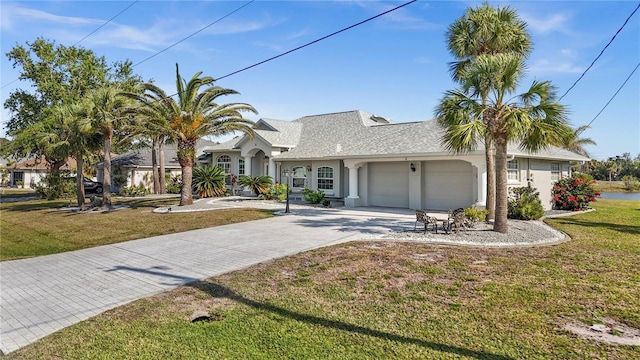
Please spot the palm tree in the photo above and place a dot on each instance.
(486, 31)
(208, 181)
(107, 105)
(194, 115)
(575, 143)
(257, 184)
(68, 132)
(533, 119)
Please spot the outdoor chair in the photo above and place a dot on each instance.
(456, 219)
(422, 217)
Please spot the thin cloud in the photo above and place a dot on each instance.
(399, 19)
(552, 23)
(545, 66)
(22, 15)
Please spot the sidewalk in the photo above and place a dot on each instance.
(41, 295)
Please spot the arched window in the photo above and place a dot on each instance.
(299, 176)
(325, 178)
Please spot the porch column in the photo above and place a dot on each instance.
(272, 168)
(353, 199)
(247, 165)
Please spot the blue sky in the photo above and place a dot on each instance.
(394, 66)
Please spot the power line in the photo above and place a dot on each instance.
(91, 33)
(614, 95)
(108, 21)
(317, 40)
(601, 52)
(178, 42)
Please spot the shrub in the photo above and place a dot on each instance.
(313, 196)
(574, 193)
(135, 191)
(524, 204)
(630, 182)
(174, 186)
(279, 191)
(476, 215)
(257, 184)
(56, 186)
(208, 181)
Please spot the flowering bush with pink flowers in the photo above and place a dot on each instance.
(574, 193)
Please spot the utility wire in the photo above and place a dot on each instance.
(614, 95)
(108, 21)
(601, 52)
(178, 42)
(315, 41)
(91, 33)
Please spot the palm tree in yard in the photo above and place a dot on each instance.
(575, 143)
(486, 31)
(196, 114)
(534, 119)
(107, 105)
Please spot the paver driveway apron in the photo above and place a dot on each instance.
(39, 296)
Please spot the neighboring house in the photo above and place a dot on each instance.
(30, 172)
(134, 168)
(369, 161)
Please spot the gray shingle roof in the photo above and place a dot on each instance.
(142, 157)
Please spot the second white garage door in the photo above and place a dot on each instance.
(389, 184)
(447, 184)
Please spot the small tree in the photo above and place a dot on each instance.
(574, 193)
(208, 181)
(257, 184)
(524, 204)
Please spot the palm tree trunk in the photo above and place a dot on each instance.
(79, 180)
(106, 177)
(500, 224)
(186, 155)
(161, 174)
(491, 178)
(154, 165)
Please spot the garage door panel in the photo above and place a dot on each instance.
(447, 184)
(389, 184)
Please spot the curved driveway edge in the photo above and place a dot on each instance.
(41, 295)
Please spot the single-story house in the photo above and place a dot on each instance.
(134, 168)
(30, 172)
(367, 160)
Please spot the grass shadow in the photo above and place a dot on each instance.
(629, 229)
(220, 291)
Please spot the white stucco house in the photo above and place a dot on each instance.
(367, 160)
(31, 171)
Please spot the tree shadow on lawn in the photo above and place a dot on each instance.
(629, 229)
(220, 291)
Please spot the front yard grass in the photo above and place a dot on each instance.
(364, 300)
(34, 228)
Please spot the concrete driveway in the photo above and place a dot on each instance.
(39, 296)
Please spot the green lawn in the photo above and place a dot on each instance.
(365, 300)
(39, 227)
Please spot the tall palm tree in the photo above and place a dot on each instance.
(485, 30)
(195, 115)
(575, 143)
(534, 119)
(107, 105)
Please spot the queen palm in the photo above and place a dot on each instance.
(484, 31)
(534, 119)
(195, 115)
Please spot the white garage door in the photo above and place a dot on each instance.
(389, 184)
(447, 184)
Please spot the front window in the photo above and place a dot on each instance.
(224, 162)
(555, 171)
(299, 176)
(513, 173)
(325, 178)
(240, 166)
